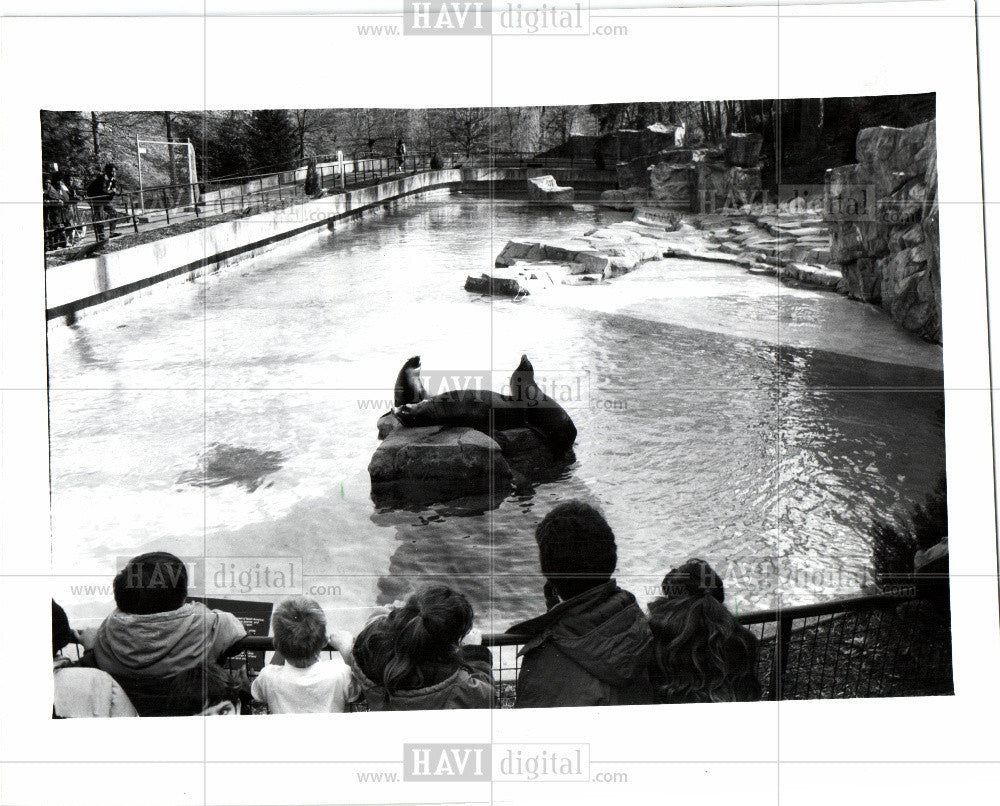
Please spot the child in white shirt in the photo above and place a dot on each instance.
(305, 684)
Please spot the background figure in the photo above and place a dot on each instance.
(700, 652)
(101, 192)
(54, 212)
(401, 153)
(73, 191)
(205, 690)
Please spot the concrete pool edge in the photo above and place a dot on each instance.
(75, 287)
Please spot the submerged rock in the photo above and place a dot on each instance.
(223, 464)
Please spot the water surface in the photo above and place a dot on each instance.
(720, 414)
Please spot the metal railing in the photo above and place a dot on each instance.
(845, 648)
(73, 222)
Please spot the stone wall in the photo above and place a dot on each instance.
(884, 217)
(700, 180)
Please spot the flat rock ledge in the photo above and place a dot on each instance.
(781, 241)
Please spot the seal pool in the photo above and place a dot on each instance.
(720, 415)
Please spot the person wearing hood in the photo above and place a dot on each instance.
(593, 646)
(154, 634)
(424, 656)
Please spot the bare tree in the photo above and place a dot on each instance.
(467, 127)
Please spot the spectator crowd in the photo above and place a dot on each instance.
(62, 193)
(160, 654)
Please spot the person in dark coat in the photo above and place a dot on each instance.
(593, 646)
(54, 217)
(701, 653)
(101, 193)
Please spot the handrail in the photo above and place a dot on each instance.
(265, 643)
(846, 605)
(783, 615)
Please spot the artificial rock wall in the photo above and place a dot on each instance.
(883, 211)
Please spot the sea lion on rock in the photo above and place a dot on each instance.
(542, 414)
(409, 386)
(490, 412)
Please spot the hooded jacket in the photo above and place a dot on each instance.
(144, 652)
(460, 689)
(593, 649)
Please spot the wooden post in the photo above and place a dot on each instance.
(166, 206)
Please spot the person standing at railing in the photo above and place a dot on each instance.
(401, 153)
(593, 646)
(701, 653)
(101, 193)
(70, 184)
(424, 656)
(53, 215)
(304, 683)
(154, 633)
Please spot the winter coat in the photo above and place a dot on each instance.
(145, 652)
(460, 688)
(593, 649)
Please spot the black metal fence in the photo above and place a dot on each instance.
(864, 646)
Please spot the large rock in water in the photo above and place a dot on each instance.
(429, 464)
(545, 189)
(436, 463)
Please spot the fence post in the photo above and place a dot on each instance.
(135, 221)
(782, 640)
(166, 206)
(279, 189)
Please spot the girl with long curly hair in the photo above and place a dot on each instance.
(701, 653)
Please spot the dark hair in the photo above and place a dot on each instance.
(576, 548)
(694, 578)
(151, 583)
(62, 633)
(700, 651)
(207, 684)
(416, 644)
(109, 168)
(299, 628)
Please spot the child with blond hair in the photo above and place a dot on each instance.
(304, 683)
